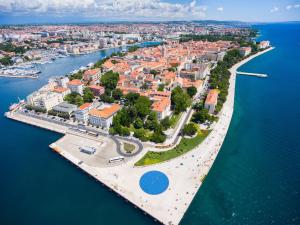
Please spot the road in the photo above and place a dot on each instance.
(77, 128)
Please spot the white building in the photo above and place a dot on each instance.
(82, 114)
(244, 51)
(63, 81)
(45, 100)
(76, 86)
(103, 117)
(264, 44)
(211, 100)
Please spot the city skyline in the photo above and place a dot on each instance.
(53, 11)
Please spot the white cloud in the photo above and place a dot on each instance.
(288, 7)
(295, 6)
(274, 9)
(129, 9)
(220, 9)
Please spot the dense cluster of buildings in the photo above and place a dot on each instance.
(153, 72)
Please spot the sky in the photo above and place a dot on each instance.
(53, 11)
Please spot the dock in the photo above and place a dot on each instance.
(262, 75)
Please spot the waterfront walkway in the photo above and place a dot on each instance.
(185, 173)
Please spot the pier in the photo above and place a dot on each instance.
(252, 74)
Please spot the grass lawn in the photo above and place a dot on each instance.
(128, 147)
(185, 145)
(174, 119)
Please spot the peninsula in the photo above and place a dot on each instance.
(147, 123)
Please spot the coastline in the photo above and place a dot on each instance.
(188, 170)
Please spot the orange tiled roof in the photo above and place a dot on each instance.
(60, 89)
(161, 104)
(84, 106)
(105, 112)
(91, 72)
(75, 82)
(212, 97)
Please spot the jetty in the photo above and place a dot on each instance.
(262, 75)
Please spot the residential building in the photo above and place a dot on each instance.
(162, 107)
(92, 76)
(45, 100)
(82, 114)
(103, 117)
(75, 86)
(97, 89)
(211, 100)
(61, 90)
(62, 81)
(244, 51)
(264, 44)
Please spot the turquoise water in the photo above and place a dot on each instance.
(255, 179)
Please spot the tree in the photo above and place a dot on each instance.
(166, 123)
(154, 72)
(191, 91)
(131, 98)
(200, 116)
(77, 75)
(180, 100)
(161, 87)
(88, 95)
(145, 86)
(110, 80)
(152, 125)
(158, 137)
(198, 106)
(106, 98)
(78, 100)
(143, 106)
(138, 123)
(125, 119)
(190, 129)
(117, 94)
(133, 48)
(5, 61)
(141, 134)
(74, 98)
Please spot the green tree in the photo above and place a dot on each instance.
(200, 116)
(190, 129)
(166, 123)
(143, 106)
(191, 91)
(74, 98)
(138, 123)
(180, 100)
(110, 80)
(117, 94)
(161, 87)
(106, 98)
(158, 137)
(131, 98)
(141, 134)
(88, 95)
(6, 61)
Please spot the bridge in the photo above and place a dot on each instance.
(252, 74)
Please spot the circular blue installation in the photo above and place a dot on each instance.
(154, 182)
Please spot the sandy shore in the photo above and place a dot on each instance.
(185, 173)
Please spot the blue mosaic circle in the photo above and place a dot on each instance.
(154, 182)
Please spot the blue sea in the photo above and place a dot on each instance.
(255, 178)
